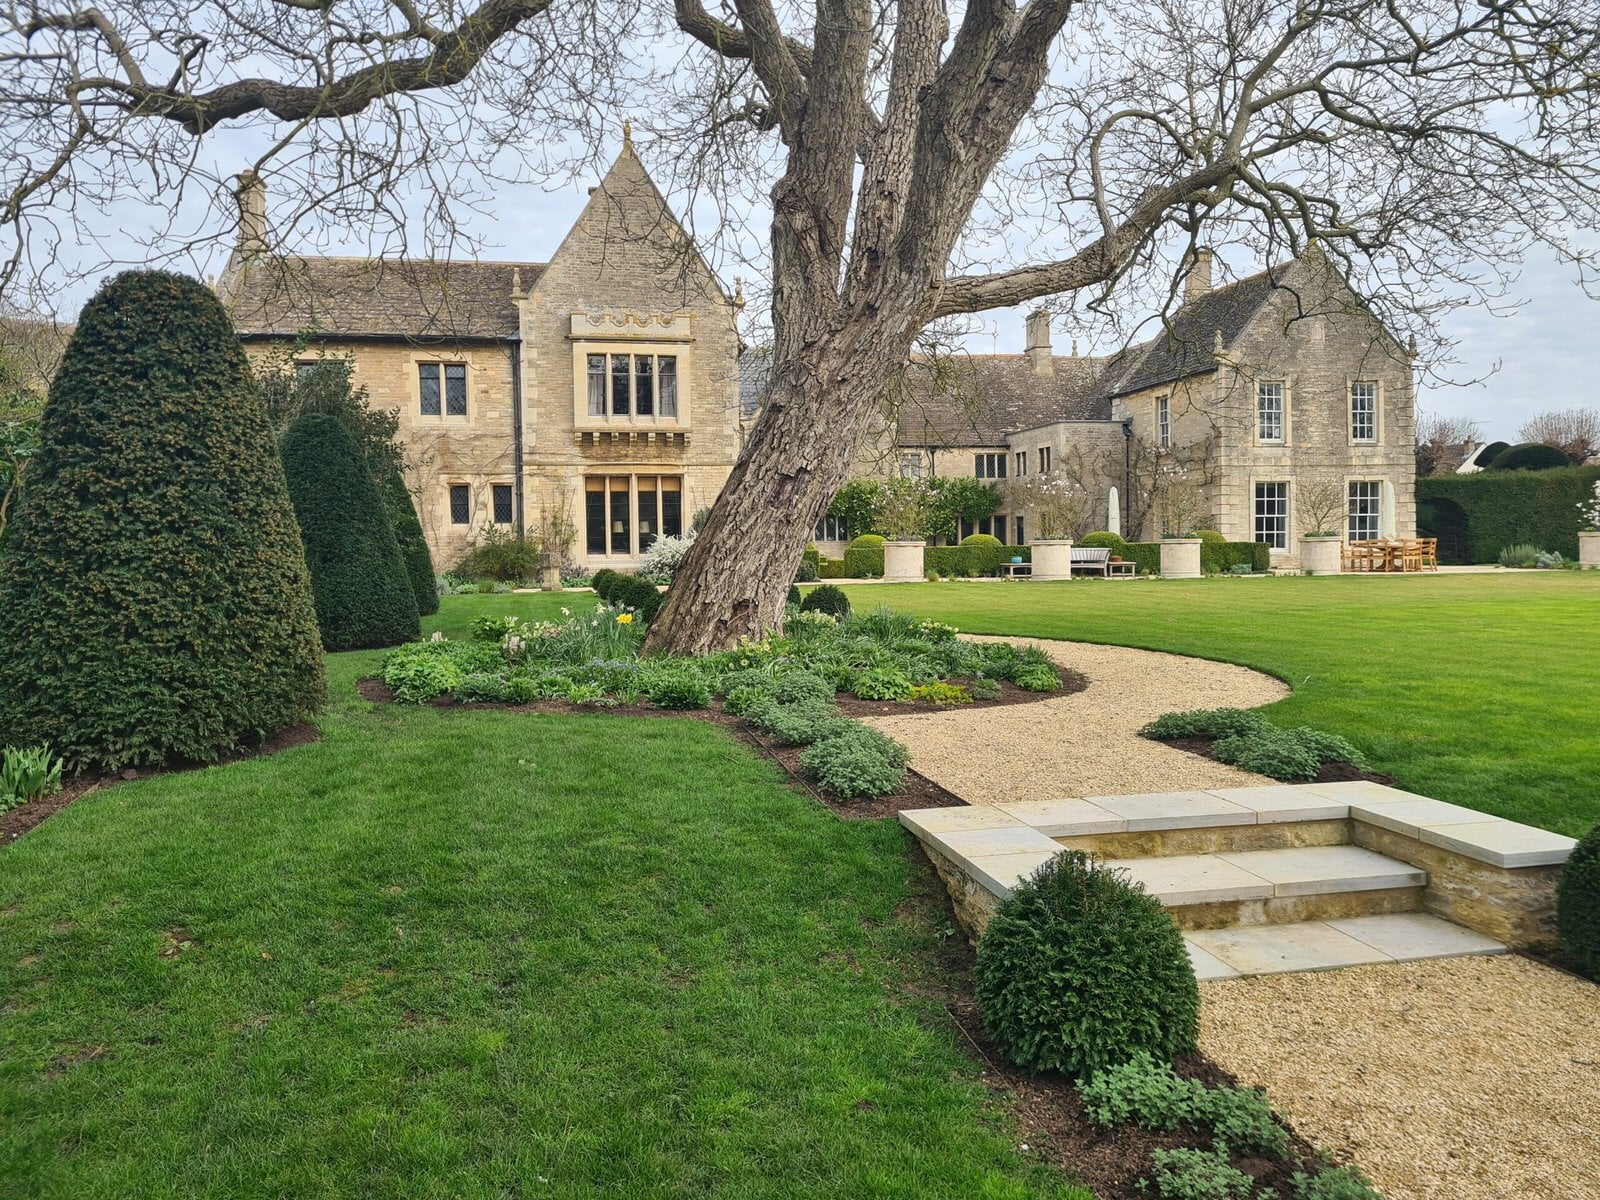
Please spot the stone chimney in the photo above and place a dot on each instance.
(1197, 280)
(252, 194)
(1044, 362)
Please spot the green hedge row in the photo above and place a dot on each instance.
(861, 562)
(971, 562)
(1476, 516)
(1218, 559)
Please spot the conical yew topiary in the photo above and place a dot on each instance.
(363, 593)
(413, 546)
(154, 602)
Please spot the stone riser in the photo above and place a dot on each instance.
(1287, 910)
(1213, 839)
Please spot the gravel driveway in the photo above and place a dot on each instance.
(1085, 744)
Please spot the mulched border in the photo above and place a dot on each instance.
(1046, 1108)
(1333, 772)
(34, 813)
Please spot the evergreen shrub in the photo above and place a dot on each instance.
(828, 599)
(1531, 456)
(1475, 516)
(154, 602)
(863, 558)
(1578, 905)
(413, 545)
(629, 591)
(360, 583)
(602, 581)
(1080, 969)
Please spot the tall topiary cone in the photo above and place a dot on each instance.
(154, 602)
(1578, 905)
(413, 546)
(358, 578)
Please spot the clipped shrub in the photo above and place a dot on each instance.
(1204, 722)
(882, 683)
(629, 591)
(1104, 539)
(1271, 751)
(983, 554)
(154, 602)
(1531, 456)
(1335, 1183)
(1475, 516)
(855, 760)
(677, 687)
(828, 599)
(1489, 453)
(358, 579)
(1198, 1175)
(793, 597)
(27, 774)
(414, 551)
(1080, 969)
(1210, 537)
(1578, 905)
(863, 558)
(602, 581)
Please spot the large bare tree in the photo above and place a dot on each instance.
(1573, 431)
(925, 160)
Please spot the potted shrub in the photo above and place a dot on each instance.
(1182, 509)
(1059, 505)
(1589, 531)
(906, 509)
(1321, 505)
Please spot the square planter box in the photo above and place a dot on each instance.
(1052, 558)
(1180, 558)
(902, 562)
(1321, 555)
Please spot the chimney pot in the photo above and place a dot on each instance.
(1197, 281)
(252, 195)
(1038, 348)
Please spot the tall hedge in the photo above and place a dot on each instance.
(154, 603)
(362, 590)
(414, 551)
(1476, 516)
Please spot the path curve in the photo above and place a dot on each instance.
(1085, 744)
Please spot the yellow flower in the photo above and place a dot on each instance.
(624, 618)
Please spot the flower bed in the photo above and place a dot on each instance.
(788, 687)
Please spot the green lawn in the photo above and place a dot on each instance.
(1482, 690)
(474, 954)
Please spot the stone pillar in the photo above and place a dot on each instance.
(1180, 558)
(1589, 549)
(902, 562)
(1114, 512)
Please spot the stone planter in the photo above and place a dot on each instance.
(1321, 555)
(1589, 549)
(1052, 558)
(902, 562)
(1180, 558)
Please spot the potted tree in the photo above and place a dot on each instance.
(1589, 531)
(1058, 506)
(1321, 505)
(903, 518)
(1182, 510)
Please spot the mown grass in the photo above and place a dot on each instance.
(477, 954)
(1482, 690)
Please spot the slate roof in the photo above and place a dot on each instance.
(975, 400)
(1185, 346)
(374, 298)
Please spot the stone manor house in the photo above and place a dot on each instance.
(610, 384)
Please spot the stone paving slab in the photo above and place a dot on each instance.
(1174, 810)
(1270, 949)
(1065, 818)
(1410, 937)
(1284, 802)
(1002, 872)
(944, 820)
(1194, 879)
(1309, 870)
(983, 843)
(1501, 843)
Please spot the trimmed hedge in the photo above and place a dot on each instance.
(830, 568)
(154, 602)
(970, 562)
(630, 591)
(1217, 557)
(1476, 516)
(362, 589)
(863, 558)
(413, 546)
(1531, 456)
(1578, 905)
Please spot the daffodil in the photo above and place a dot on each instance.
(624, 618)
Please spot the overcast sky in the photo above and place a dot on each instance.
(1540, 353)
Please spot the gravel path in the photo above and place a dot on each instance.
(1086, 744)
(1459, 1078)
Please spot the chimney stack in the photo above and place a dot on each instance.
(1039, 343)
(1197, 281)
(252, 194)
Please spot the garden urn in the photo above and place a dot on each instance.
(1321, 554)
(1180, 558)
(1052, 558)
(902, 562)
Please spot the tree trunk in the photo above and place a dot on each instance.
(733, 582)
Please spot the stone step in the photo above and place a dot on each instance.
(1199, 879)
(1325, 945)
